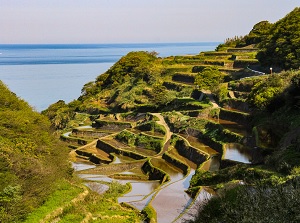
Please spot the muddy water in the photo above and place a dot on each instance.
(82, 166)
(121, 159)
(139, 192)
(213, 164)
(192, 211)
(67, 134)
(197, 143)
(148, 192)
(172, 200)
(232, 126)
(237, 152)
(174, 173)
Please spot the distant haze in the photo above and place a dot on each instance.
(124, 21)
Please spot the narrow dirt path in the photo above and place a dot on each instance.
(211, 98)
(168, 132)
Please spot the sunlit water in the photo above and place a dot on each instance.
(44, 74)
(237, 152)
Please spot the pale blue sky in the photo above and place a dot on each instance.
(129, 21)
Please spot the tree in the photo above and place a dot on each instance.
(282, 46)
(134, 64)
(259, 32)
(159, 94)
(209, 78)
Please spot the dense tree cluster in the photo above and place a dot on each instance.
(278, 43)
(281, 47)
(209, 78)
(31, 158)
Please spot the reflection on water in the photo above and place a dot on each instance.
(195, 142)
(97, 187)
(164, 202)
(142, 188)
(168, 168)
(194, 208)
(116, 160)
(139, 204)
(121, 159)
(67, 134)
(232, 126)
(213, 164)
(82, 166)
(139, 190)
(237, 152)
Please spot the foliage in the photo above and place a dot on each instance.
(244, 173)
(285, 160)
(258, 33)
(31, 158)
(63, 195)
(116, 190)
(151, 126)
(134, 64)
(275, 91)
(253, 204)
(263, 92)
(229, 43)
(59, 114)
(209, 78)
(127, 137)
(159, 95)
(141, 140)
(221, 91)
(150, 214)
(282, 46)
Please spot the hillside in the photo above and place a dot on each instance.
(32, 160)
(278, 43)
(218, 119)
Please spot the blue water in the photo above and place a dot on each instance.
(42, 74)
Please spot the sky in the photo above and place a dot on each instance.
(134, 21)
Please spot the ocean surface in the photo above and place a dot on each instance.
(42, 74)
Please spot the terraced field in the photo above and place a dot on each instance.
(156, 181)
(152, 151)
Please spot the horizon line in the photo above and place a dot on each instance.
(112, 43)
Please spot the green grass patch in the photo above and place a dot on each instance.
(62, 196)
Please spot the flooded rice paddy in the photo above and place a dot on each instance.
(237, 152)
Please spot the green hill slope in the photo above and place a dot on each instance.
(32, 160)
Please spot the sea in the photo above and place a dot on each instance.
(42, 74)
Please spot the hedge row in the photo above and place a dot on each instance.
(176, 162)
(79, 141)
(243, 63)
(152, 126)
(235, 116)
(171, 70)
(112, 124)
(184, 77)
(155, 173)
(108, 148)
(242, 50)
(94, 158)
(187, 151)
(88, 133)
(174, 86)
(141, 140)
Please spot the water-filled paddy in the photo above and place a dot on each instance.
(197, 143)
(172, 200)
(237, 152)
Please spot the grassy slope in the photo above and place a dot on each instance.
(32, 159)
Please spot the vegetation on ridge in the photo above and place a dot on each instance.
(32, 159)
